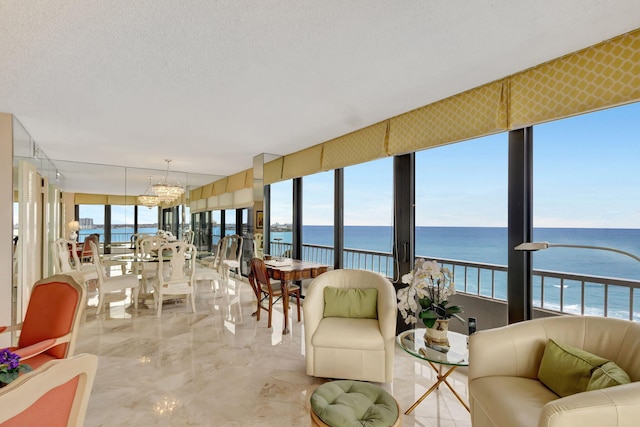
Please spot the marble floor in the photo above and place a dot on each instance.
(220, 367)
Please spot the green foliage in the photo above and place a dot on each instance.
(433, 311)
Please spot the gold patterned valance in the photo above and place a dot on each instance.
(195, 194)
(122, 200)
(248, 183)
(236, 181)
(598, 77)
(90, 199)
(301, 163)
(273, 171)
(207, 191)
(477, 112)
(220, 186)
(361, 146)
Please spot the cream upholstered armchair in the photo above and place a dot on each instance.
(504, 370)
(353, 340)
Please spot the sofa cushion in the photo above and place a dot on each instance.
(354, 403)
(339, 332)
(567, 370)
(351, 302)
(508, 401)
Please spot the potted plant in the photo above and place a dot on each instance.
(10, 367)
(427, 298)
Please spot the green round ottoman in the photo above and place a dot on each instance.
(353, 404)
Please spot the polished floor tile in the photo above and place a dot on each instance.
(220, 367)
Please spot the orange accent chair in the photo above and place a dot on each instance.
(266, 289)
(50, 325)
(56, 394)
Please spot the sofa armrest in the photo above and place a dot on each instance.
(514, 350)
(613, 406)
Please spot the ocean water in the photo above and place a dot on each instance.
(489, 245)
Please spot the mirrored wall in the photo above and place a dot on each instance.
(46, 192)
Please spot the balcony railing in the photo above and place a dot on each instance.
(559, 292)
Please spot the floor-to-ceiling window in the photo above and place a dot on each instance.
(122, 223)
(587, 192)
(229, 222)
(461, 208)
(281, 219)
(147, 220)
(91, 218)
(317, 217)
(247, 243)
(216, 227)
(201, 226)
(186, 219)
(368, 216)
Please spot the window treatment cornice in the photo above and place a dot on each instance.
(273, 171)
(477, 112)
(301, 163)
(601, 76)
(361, 146)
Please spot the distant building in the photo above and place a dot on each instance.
(86, 224)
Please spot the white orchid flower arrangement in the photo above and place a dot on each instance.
(427, 296)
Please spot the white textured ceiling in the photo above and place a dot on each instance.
(210, 84)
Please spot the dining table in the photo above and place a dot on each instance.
(288, 270)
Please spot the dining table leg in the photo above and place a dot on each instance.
(285, 305)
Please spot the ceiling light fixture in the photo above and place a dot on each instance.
(149, 200)
(167, 193)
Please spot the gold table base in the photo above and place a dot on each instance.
(441, 379)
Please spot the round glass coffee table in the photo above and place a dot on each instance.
(447, 359)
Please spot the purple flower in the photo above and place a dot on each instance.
(10, 366)
(11, 360)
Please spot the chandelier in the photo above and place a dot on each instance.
(149, 200)
(167, 193)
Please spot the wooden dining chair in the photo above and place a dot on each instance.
(268, 290)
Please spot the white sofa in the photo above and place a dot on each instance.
(504, 389)
(348, 348)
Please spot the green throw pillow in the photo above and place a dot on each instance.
(567, 370)
(608, 375)
(354, 303)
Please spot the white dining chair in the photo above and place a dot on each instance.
(258, 245)
(63, 253)
(231, 255)
(147, 249)
(110, 284)
(176, 273)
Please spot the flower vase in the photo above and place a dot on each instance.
(438, 333)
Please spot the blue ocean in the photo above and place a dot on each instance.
(489, 245)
